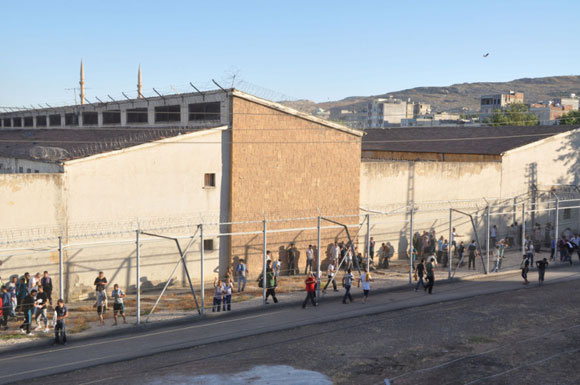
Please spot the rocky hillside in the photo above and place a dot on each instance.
(465, 95)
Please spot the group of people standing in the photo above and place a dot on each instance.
(30, 297)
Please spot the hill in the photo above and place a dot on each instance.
(458, 97)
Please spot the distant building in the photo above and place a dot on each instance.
(549, 114)
(490, 103)
(321, 113)
(434, 120)
(572, 101)
(391, 111)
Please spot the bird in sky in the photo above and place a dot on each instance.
(486, 55)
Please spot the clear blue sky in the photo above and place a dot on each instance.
(318, 50)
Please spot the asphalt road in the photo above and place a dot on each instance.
(396, 336)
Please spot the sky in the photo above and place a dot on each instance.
(317, 50)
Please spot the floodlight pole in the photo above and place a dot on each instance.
(557, 225)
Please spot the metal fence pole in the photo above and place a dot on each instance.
(368, 241)
(201, 274)
(60, 270)
(557, 224)
(515, 210)
(450, 244)
(487, 224)
(264, 266)
(138, 269)
(319, 262)
(523, 228)
(411, 246)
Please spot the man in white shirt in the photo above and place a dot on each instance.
(334, 253)
(331, 273)
(309, 259)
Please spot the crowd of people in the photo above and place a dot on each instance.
(29, 299)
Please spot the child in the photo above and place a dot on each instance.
(228, 287)
(118, 305)
(60, 315)
(366, 280)
(217, 295)
(101, 303)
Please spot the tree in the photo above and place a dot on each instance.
(573, 117)
(516, 114)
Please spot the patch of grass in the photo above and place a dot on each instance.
(8, 337)
(480, 340)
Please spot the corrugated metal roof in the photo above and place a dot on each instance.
(57, 145)
(457, 140)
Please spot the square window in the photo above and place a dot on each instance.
(209, 180)
(208, 244)
(28, 170)
(20, 169)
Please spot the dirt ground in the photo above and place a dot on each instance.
(522, 337)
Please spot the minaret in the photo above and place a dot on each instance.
(82, 83)
(139, 84)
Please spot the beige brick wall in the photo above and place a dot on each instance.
(284, 166)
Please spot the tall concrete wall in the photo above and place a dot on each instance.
(157, 185)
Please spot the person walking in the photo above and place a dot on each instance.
(347, 283)
(271, 283)
(218, 292)
(472, 253)
(228, 288)
(118, 304)
(495, 254)
(420, 271)
(524, 266)
(530, 252)
(41, 309)
(331, 273)
(366, 280)
(541, 265)
(100, 281)
(310, 282)
(28, 308)
(46, 283)
(430, 276)
(101, 303)
(291, 260)
(460, 251)
(242, 272)
(309, 259)
(6, 300)
(61, 314)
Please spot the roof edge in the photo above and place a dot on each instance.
(541, 141)
(302, 115)
(145, 145)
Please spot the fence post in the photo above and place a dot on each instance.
(523, 228)
(557, 225)
(318, 262)
(450, 244)
(411, 246)
(264, 266)
(201, 274)
(368, 242)
(60, 270)
(515, 210)
(487, 237)
(138, 269)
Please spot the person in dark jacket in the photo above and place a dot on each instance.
(46, 283)
(420, 272)
(28, 308)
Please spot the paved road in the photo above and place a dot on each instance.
(46, 361)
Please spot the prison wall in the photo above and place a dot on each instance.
(286, 166)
